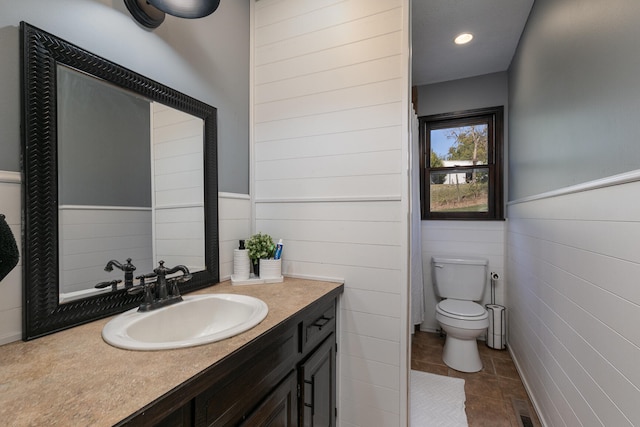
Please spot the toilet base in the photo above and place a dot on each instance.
(461, 354)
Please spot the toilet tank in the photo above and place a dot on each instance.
(459, 278)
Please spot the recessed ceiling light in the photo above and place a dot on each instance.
(463, 38)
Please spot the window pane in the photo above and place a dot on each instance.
(459, 146)
(460, 190)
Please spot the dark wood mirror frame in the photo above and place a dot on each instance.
(41, 52)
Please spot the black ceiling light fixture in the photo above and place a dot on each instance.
(151, 13)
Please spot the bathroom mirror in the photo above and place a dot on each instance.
(51, 168)
(130, 184)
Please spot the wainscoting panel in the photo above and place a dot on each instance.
(91, 236)
(234, 219)
(482, 239)
(179, 236)
(573, 269)
(11, 285)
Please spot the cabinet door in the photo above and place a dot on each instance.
(245, 381)
(317, 386)
(279, 408)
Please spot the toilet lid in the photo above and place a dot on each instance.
(461, 308)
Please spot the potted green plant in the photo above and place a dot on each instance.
(260, 246)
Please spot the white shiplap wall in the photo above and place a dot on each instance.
(234, 224)
(330, 176)
(90, 236)
(574, 267)
(11, 285)
(178, 189)
(483, 239)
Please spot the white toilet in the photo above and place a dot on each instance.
(460, 282)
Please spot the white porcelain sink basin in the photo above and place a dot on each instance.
(199, 319)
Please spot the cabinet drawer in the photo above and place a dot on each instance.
(317, 326)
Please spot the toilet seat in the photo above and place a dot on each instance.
(461, 309)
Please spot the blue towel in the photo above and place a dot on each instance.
(9, 254)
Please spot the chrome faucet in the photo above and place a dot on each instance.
(161, 291)
(128, 269)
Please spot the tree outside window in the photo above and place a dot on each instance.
(461, 165)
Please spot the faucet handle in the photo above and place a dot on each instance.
(161, 269)
(128, 266)
(146, 276)
(173, 287)
(112, 283)
(140, 287)
(144, 287)
(174, 282)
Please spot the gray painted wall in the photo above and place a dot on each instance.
(489, 90)
(9, 99)
(206, 58)
(104, 143)
(574, 95)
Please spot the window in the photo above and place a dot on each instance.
(461, 165)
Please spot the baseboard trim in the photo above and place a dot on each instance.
(532, 398)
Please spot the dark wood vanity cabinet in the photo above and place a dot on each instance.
(284, 378)
(279, 408)
(317, 371)
(317, 376)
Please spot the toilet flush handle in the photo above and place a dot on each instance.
(438, 265)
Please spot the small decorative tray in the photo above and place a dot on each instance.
(252, 280)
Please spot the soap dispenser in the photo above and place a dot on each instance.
(241, 264)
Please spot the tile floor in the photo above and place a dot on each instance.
(489, 392)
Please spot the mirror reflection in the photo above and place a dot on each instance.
(130, 184)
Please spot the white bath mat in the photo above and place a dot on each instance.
(437, 401)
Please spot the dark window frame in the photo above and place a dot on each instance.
(494, 117)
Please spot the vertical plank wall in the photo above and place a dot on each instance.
(574, 267)
(330, 176)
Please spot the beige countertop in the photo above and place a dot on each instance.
(73, 378)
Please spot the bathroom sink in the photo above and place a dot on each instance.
(199, 319)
